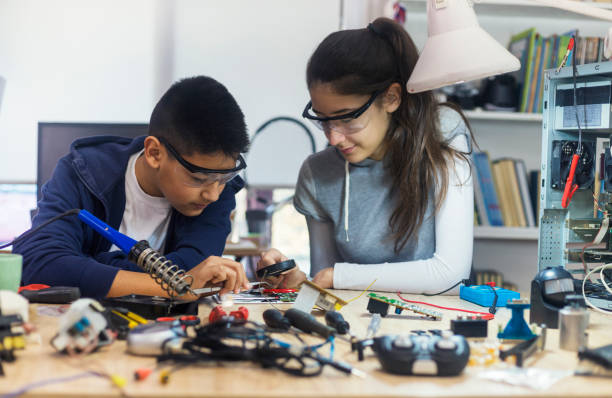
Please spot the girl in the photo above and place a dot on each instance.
(391, 198)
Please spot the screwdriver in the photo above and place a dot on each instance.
(275, 319)
(307, 323)
(336, 321)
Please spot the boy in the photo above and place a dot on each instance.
(174, 188)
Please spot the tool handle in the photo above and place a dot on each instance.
(336, 321)
(53, 295)
(123, 242)
(307, 323)
(570, 187)
(275, 319)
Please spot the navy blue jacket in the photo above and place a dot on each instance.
(92, 176)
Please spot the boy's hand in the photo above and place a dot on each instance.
(216, 270)
(288, 279)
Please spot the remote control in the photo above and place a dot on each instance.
(444, 355)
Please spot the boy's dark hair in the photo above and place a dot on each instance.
(199, 115)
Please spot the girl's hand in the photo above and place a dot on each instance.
(325, 278)
(288, 279)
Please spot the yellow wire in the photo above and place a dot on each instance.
(361, 294)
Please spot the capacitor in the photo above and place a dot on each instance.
(573, 322)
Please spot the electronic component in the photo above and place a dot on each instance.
(523, 350)
(562, 153)
(310, 295)
(593, 101)
(83, 329)
(380, 305)
(218, 314)
(549, 289)
(152, 307)
(445, 355)
(484, 352)
(11, 338)
(360, 345)
(516, 328)
(595, 362)
(573, 322)
(566, 233)
(484, 295)
(150, 338)
(276, 269)
(470, 326)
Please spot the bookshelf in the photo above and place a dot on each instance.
(510, 233)
(504, 116)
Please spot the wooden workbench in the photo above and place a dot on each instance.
(39, 362)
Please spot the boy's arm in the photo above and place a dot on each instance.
(55, 254)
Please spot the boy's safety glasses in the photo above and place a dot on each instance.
(195, 176)
(345, 124)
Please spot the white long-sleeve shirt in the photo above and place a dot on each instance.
(436, 259)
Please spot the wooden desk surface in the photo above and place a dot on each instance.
(39, 362)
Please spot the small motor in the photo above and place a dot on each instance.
(83, 329)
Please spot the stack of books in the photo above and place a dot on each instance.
(538, 53)
(504, 193)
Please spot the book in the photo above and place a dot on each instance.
(521, 46)
(537, 104)
(534, 192)
(501, 186)
(534, 69)
(516, 203)
(479, 202)
(482, 165)
(521, 176)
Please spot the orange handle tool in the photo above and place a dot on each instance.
(570, 187)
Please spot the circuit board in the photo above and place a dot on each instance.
(400, 306)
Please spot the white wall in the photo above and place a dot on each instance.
(110, 60)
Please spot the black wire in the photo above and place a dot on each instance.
(574, 73)
(207, 345)
(464, 281)
(32, 231)
(493, 307)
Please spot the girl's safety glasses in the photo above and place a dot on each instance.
(345, 124)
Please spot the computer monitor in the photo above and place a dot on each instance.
(54, 141)
(16, 201)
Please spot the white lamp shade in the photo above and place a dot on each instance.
(457, 49)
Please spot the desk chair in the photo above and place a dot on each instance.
(54, 141)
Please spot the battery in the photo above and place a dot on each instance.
(469, 326)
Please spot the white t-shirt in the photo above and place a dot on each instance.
(145, 216)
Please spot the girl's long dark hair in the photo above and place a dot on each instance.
(362, 61)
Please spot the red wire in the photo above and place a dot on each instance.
(485, 315)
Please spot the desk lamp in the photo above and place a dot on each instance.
(459, 50)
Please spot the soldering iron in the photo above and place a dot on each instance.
(169, 276)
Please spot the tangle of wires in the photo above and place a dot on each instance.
(231, 339)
